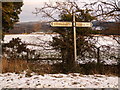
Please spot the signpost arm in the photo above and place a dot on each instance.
(74, 30)
(73, 24)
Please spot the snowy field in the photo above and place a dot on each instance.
(40, 38)
(73, 80)
(38, 41)
(44, 39)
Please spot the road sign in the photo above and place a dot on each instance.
(73, 24)
(61, 24)
(69, 24)
(84, 24)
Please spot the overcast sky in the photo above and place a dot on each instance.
(30, 5)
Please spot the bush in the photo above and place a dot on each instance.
(16, 49)
(94, 68)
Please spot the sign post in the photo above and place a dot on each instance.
(73, 24)
(74, 28)
(69, 24)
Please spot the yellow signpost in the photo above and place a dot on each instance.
(69, 24)
(61, 24)
(84, 24)
(73, 24)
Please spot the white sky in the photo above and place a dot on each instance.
(30, 5)
(53, 0)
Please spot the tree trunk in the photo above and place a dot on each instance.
(98, 55)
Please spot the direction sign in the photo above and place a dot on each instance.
(73, 24)
(84, 24)
(61, 24)
(69, 24)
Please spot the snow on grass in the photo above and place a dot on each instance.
(42, 40)
(73, 80)
(12, 80)
(106, 40)
(30, 38)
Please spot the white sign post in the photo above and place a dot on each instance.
(73, 24)
(69, 24)
(61, 24)
(74, 28)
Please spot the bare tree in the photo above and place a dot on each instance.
(62, 11)
(105, 10)
(108, 11)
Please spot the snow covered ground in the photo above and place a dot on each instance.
(42, 40)
(73, 80)
(36, 39)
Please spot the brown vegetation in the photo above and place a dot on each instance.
(13, 65)
(18, 66)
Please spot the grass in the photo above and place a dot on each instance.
(13, 65)
(18, 66)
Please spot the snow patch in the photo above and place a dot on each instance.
(73, 80)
